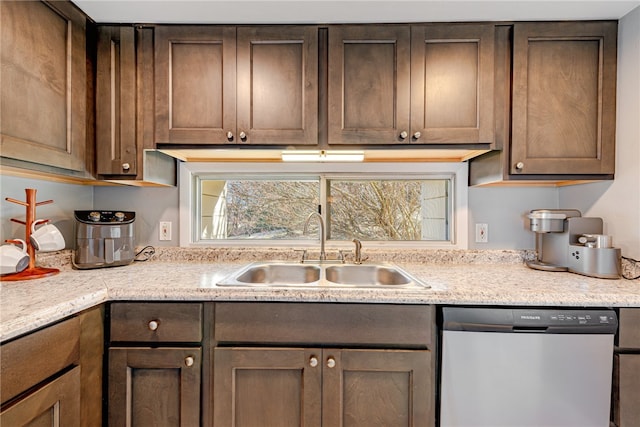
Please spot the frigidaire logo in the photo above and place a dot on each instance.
(530, 317)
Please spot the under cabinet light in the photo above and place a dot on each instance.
(322, 156)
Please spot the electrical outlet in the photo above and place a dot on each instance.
(482, 233)
(165, 230)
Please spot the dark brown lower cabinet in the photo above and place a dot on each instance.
(154, 387)
(627, 407)
(626, 375)
(315, 387)
(57, 403)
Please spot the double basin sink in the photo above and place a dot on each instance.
(290, 274)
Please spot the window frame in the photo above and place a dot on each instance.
(191, 172)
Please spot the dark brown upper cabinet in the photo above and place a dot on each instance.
(369, 84)
(116, 86)
(277, 78)
(564, 98)
(44, 83)
(452, 83)
(125, 108)
(195, 84)
(423, 84)
(250, 85)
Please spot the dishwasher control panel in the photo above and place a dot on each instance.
(530, 320)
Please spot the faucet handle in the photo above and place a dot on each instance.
(358, 256)
(304, 255)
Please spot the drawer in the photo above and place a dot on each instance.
(156, 322)
(29, 360)
(370, 325)
(629, 328)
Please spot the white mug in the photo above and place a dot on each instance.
(14, 259)
(47, 238)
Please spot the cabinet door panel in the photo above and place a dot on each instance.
(627, 409)
(150, 386)
(43, 89)
(278, 84)
(267, 387)
(369, 80)
(629, 331)
(195, 84)
(55, 404)
(564, 98)
(377, 387)
(452, 71)
(116, 102)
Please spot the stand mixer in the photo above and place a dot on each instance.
(565, 241)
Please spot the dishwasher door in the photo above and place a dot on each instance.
(526, 368)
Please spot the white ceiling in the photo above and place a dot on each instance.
(349, 11)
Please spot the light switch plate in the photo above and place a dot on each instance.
(165, 230)
(482, 233)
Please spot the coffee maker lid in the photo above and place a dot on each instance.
(553, 213)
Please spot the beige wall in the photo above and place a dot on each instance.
(618, 201)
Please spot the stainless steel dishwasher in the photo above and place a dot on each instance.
(526, 368)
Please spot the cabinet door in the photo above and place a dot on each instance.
(377, 388)
(277, 85)
(627, 408)
(154, 386)
(369, 81)
(55, 404)
(43, 90)
(195, 84)
(452, 83)
(267, 387)
(564, 95)
(116, 101)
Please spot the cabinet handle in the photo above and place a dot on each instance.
(331, 362)
(230, 136)
(126, 166)
(153, 325)
(403, 134)
(188, 361)
(313, 361)
(519, 166)
(243, 136)
(417, 135)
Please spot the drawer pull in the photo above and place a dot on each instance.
(313, 361)
(188, 361)
(331, 362)
(153, 325)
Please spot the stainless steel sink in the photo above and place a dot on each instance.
(366, 275)
(267, 274)
(289, 274)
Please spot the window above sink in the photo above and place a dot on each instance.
(397, 205)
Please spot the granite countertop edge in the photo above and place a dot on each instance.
(464, 278)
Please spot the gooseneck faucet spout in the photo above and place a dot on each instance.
(323, 255)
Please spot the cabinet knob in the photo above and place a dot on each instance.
(519, 166)
(243, 136)
(403, 134)
(126, 166)
(188, 361)
(331, 362)
(313, 361)
(153, 325)
(230, 136)
(417, 135)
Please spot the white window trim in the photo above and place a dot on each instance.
(459, 171)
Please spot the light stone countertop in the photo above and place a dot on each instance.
(456, 278)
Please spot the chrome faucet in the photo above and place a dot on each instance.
(323, 255)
